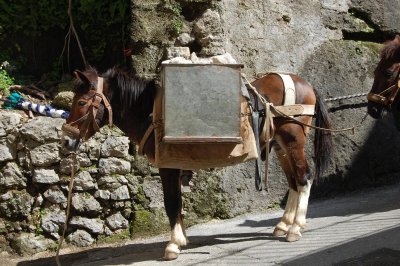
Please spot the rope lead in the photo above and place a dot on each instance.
(67, 211)
(346, 97)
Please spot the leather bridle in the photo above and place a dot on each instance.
(89, 119)
(388, 96)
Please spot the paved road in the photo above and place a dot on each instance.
(358, 229)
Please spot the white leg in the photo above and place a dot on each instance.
(288, 216)
(178, 239)
(299, 223)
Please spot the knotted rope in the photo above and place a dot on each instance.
(346, 97)
(67, 211)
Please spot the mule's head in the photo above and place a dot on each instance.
(88, 110)
(385, 88)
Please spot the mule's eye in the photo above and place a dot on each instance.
(388, 73)
(81, 103)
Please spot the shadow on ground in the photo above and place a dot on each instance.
(354, 203)
(375, 253)
(363, 202)
(132, 253)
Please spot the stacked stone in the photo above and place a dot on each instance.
(34, 175)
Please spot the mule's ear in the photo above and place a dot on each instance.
(81, 76)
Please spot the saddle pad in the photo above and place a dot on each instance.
(290, 89)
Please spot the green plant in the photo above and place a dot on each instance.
(176, 9)
(32, 17)
(101, 25)
(274, 206)
(176, 21)
(148, 222)
(176, 26)
(115, 238)
(5, 82)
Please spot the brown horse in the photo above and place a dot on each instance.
(128, 103)
(384, 92)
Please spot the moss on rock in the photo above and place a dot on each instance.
(114, 238)
(207, 199)
(147, 223)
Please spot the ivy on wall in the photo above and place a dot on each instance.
(30, 26)
(31, 17)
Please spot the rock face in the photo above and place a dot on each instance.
(332, 44)
(30, 244)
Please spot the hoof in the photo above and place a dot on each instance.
(279, 232)
(171, 252)
(293, 237)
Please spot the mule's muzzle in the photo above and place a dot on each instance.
(70, 144)
(374, 110)
(70, 138)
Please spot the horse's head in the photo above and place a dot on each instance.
(386, 85)
(88, 109)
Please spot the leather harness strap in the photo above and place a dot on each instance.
(255, 115)
(90, 117)
(99, 93)
(254, 104)
(290, 89)
(145, 137)
(294, 109)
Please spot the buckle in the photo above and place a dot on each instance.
(376, 98)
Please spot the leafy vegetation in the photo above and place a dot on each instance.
(5, 81)
(176, 25)
(32, 18)
(32, 34)
(102, 22)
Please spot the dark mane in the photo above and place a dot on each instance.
(133, 94)
(391, 50)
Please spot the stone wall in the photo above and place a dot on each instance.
(113, 193)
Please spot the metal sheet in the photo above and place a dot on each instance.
(201, 103)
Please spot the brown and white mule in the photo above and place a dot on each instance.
(128, 103)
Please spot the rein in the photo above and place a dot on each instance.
(319, 128)
(67, 211)
(89, 119)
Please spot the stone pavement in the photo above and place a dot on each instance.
(358, 229)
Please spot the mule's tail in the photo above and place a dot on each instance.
(322, 138)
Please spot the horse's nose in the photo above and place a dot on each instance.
(69, 143)
(374, 111)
